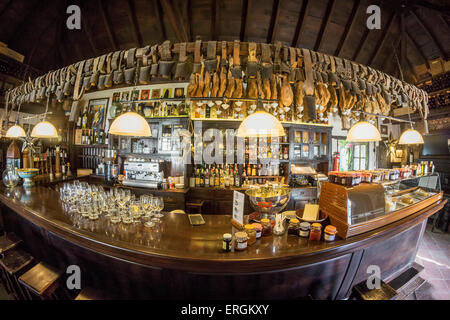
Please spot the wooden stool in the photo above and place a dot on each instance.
(196, 206)
(385, 292)
(14, 263)
(41, 280)
(8, 241)
(90, 294)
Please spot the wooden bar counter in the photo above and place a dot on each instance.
(182, 261)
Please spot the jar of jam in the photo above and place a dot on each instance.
(258, 229)
(376, 176)
(241, 241)
(357, 178)
(304, 229)
(332, 176)
(366, 177)
(266, 227)
(329, 234)
(293, 228)
(316, 232)
(251, 234)
(227, 240)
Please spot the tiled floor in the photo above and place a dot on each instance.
(434, 255)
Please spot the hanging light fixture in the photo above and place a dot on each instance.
(130, 124)
(44, 129)
(260, 124)
(363, 131)
(411, 136)
(15, 131)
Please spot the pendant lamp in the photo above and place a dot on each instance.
(44, 129)
(363, 131)
(15, 131)
(261, 124)
(130, 124)
(411, 136)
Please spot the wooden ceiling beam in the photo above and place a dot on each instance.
(417, 48)
(23, 23)
(134, 23)
(5, 7)
(361, 44)
(87, 31)
(213, 20)
(274, 21)
(189, 19)
(244, 19)
(429, 32)
(175, 19)
(348, 27)
(159, 13)
(325, 22)
(382, 40)
(107, 23)
(300, 23)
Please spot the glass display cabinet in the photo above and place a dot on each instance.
(367, 206)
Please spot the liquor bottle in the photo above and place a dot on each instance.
(217, 178)
(208, 112)
(222, 178)
(286, 153)
(212, 178)
(79, 122)
(84, 121)
(197, 178)
(249, 170)
(237, 177)
(227, 177)
(207, 178)
(253, 171)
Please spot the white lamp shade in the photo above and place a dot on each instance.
(363, 131)
(15, 131)
(44, 129)
(261, 125)
(411, 136)
(130, 124)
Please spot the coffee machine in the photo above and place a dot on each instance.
(143, 173)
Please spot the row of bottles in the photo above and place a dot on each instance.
(93, 137)
(225, 176)
(92, 157)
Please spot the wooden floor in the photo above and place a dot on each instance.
(434, 255)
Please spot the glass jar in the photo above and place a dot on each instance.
(266, 227)
(241, 241)
(332, 176)
(227, 240)
(10, 177)
(329, 234)
(366, 177)
(258, 229)
(356, 178)
(304, 229)
(316, 232)
(376, 176)
(251, 234)
(293, 228)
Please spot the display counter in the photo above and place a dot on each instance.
(177, 260)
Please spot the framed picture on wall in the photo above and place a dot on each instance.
(135, 95)
(98, 107)
(179, 93)
(384, 130)
(167, 93)
(145, 94)
(125, 96)
(156, 93)
(116, 97)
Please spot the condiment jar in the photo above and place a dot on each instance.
(227, 239)
(258, 228)
(304, 229)
(267, 227)
(293, 228)
(241, 241)
(251, 234)
(329, 234)
(316, 232)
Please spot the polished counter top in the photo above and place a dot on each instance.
(177, 244)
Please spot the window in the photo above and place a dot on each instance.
(353, 156)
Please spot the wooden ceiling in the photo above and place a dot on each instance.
(37, 29)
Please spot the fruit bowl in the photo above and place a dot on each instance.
(27, 175)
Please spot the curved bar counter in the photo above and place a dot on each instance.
(182, 261)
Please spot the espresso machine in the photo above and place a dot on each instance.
(143, 173)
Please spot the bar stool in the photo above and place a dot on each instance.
(14, 263)
(90, 293)
(8, 241)
(41, 281)
(196, 206)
